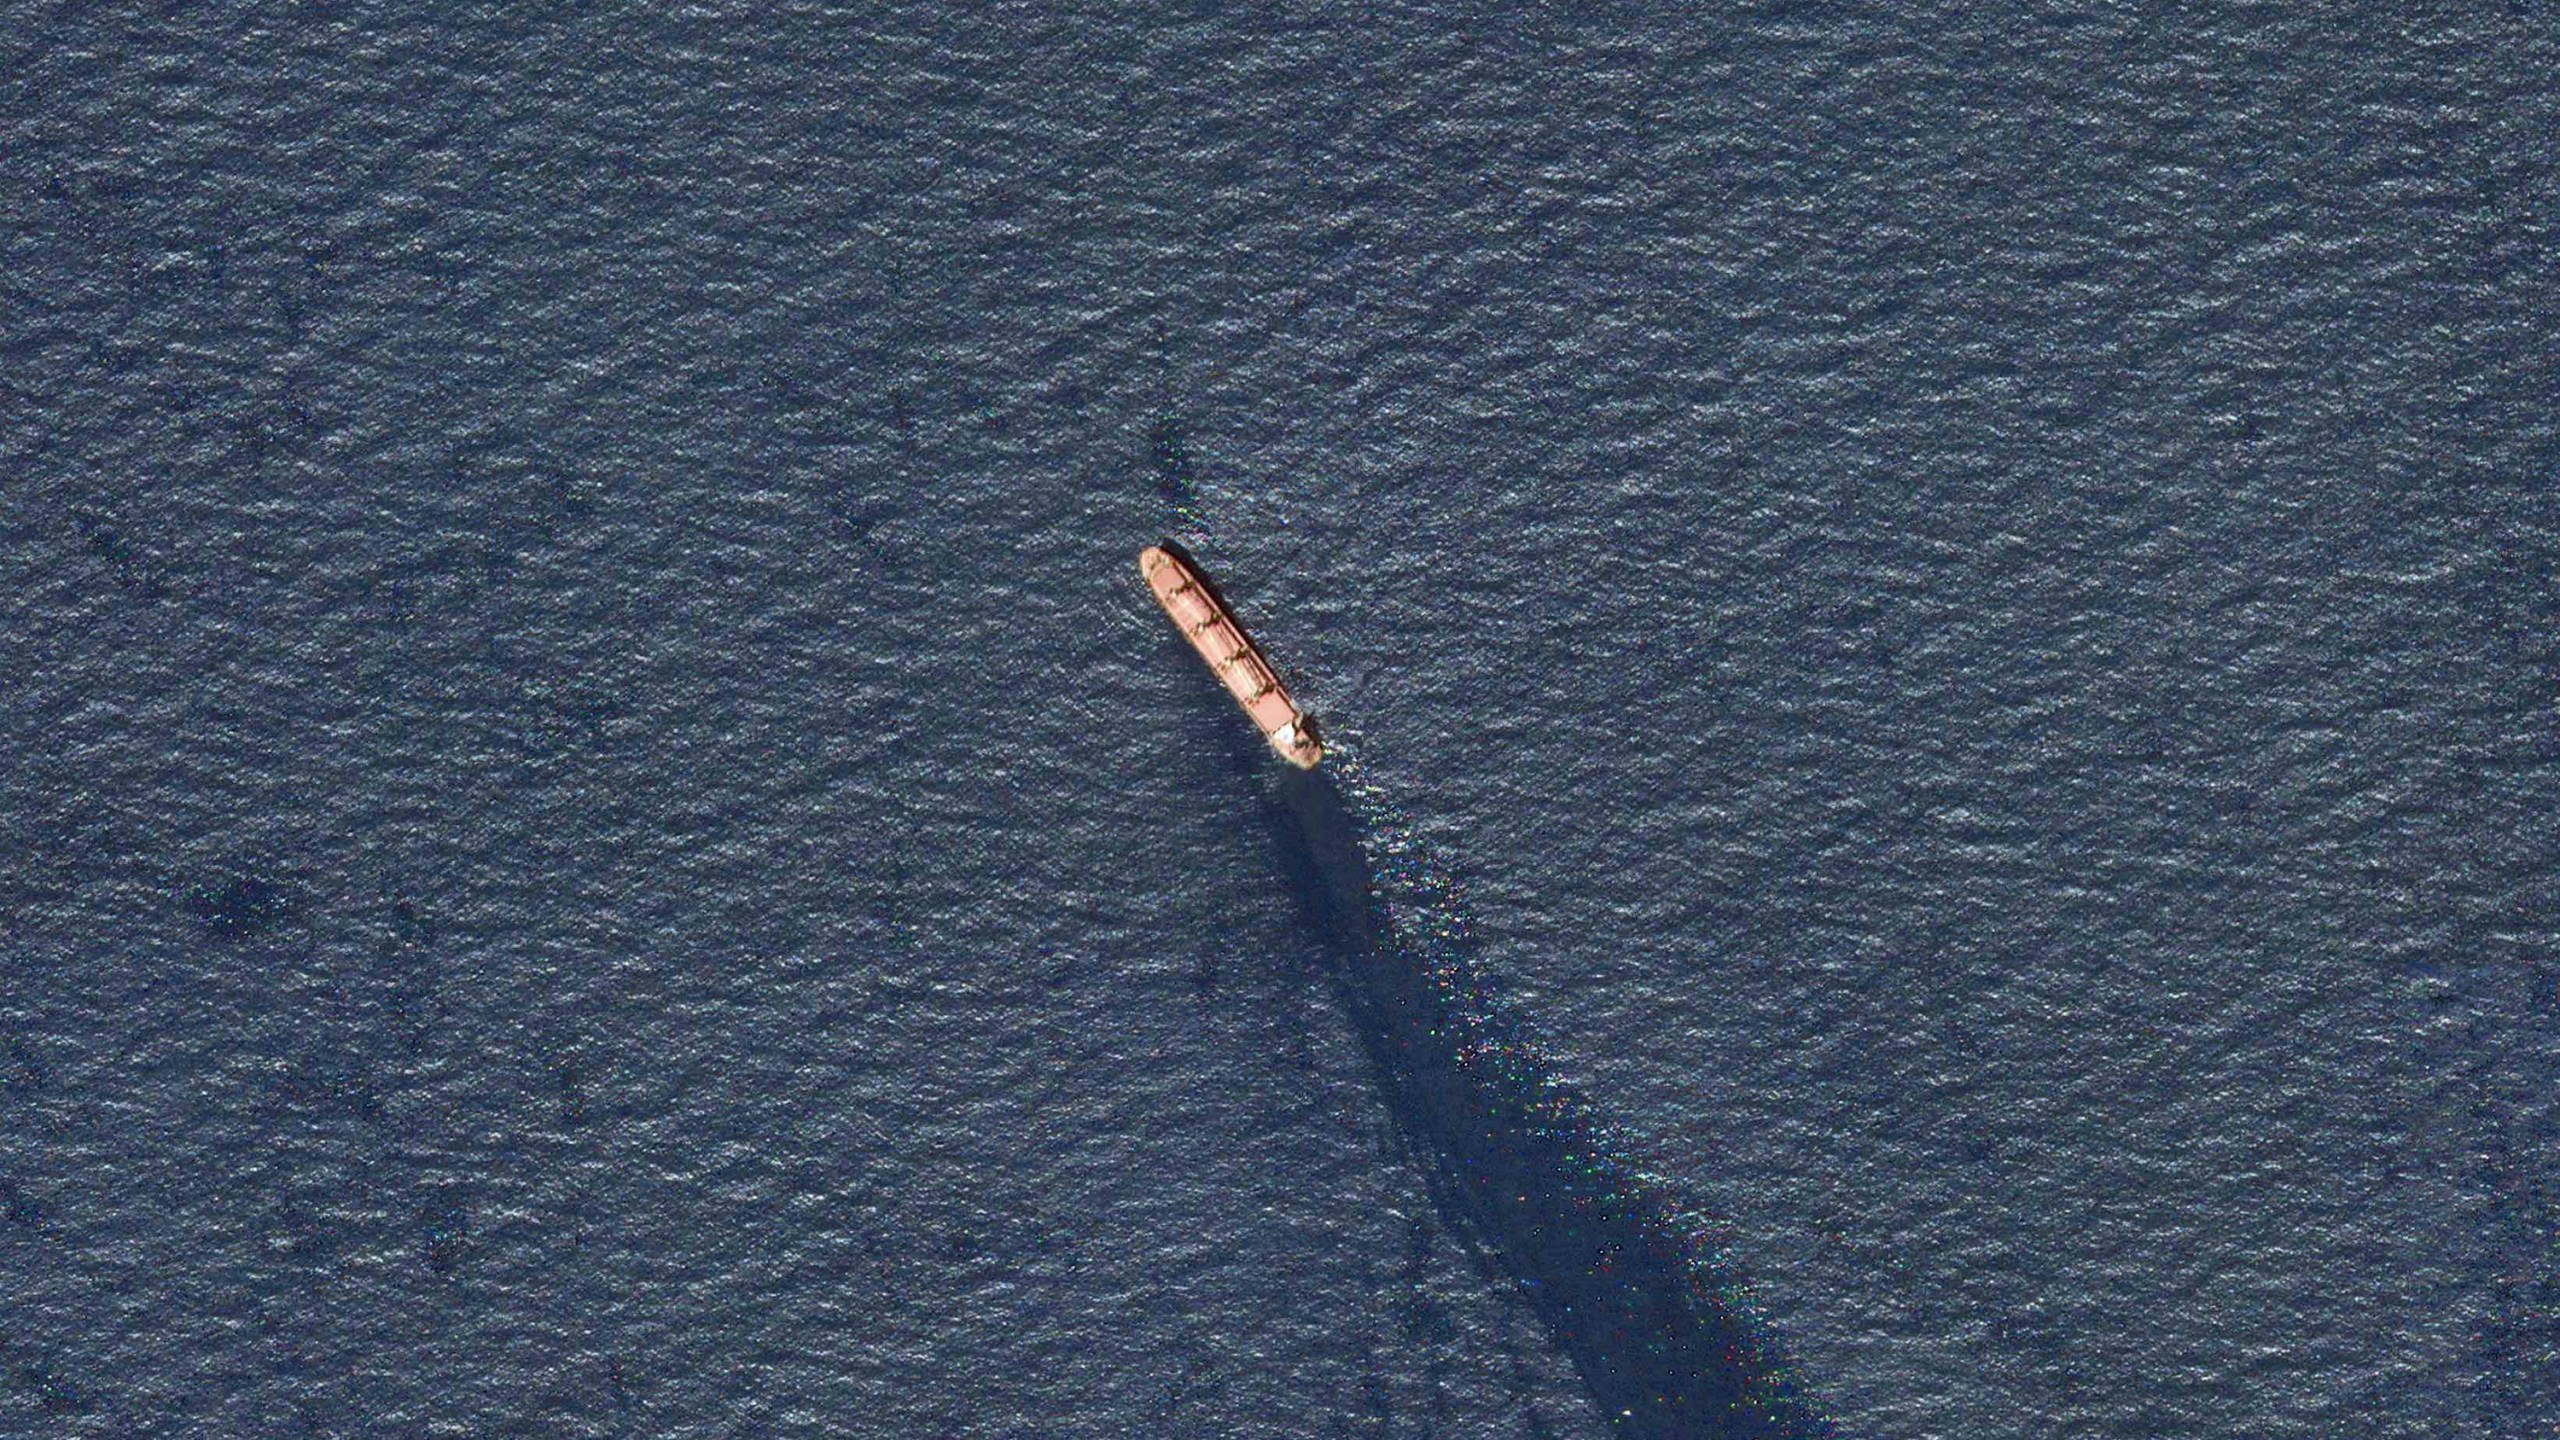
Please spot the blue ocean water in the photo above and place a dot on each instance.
(1946, 614)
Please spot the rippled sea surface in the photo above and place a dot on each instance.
(1952, 608)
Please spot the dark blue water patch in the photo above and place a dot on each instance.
(19, 1209)
(26, 1073)
(112, 547)
(244, 904)
(569, 1086)
(444, 1233)
(321, 1087)
(37, 1383)
(1518, 1166)
(1169, 453)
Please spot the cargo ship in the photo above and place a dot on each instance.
(1204, 619)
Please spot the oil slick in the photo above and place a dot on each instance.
(1629, 1286)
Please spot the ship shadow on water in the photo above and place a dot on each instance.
(1517, 1166)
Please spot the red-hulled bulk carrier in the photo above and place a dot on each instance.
(1212, 629)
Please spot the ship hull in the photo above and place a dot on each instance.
(1220, 639)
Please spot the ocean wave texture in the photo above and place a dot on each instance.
(597, 837)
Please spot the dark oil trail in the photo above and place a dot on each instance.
(1517, 1166)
